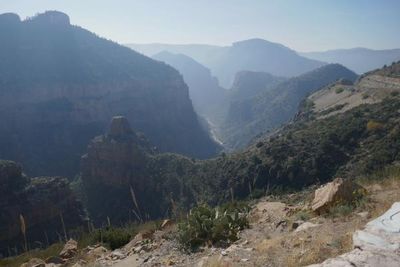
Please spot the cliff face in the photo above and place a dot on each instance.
(206, 94)
(60, 85)
(41, 201)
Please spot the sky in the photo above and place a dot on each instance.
(303, 25)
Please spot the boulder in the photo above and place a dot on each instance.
(70, 249)
(34, 262)
(338, 191)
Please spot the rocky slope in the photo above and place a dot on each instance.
(60, 85)
(42, 202)
(344, 95)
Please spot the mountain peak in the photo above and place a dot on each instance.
(9, 18)
(52, 17)
(257, 43)
(119, 127)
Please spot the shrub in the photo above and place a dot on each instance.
(206, 226)
(112, 237)
(394, 93)
(374, 125)
(343, 209)
(339, 90)
(303, 215)
(257, 193)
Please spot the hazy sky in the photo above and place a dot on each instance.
(304, 25)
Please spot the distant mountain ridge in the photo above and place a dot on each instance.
(60, 85)
(360, 60)
(252, 55)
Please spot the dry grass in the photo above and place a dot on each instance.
(41, 254)
(217, 261)
(314, 245)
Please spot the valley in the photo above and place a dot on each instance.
(248, 153)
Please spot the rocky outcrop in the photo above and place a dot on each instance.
(53, 18)
(116, 157)
(378, 244)
(125, 178)
(336, 192)
(69, 250)
(45, 204)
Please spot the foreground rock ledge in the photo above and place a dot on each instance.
(377, 245)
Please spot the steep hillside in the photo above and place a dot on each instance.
(248, 84)
(271, 108)
(60, 85)
(359, 60)
(343, 95)
(206, 94)
(251, 55)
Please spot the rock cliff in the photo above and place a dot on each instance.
(42, 202)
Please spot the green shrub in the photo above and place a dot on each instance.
(112, 237)
(206, 226)
(303, 215)
(343, 209)
(257, 193)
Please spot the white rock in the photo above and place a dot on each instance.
(364, 258)
(377, 245)
(305, 226)
(381, 233)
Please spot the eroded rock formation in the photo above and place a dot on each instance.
(42, 202)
